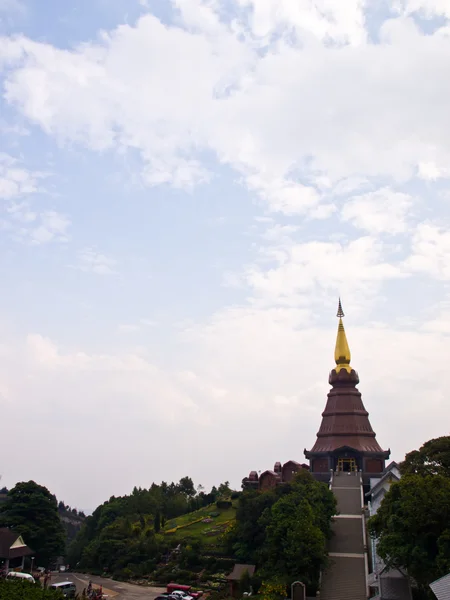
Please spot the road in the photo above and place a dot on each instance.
(113, 589)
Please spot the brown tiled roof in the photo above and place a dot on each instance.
(239, 570)
(7, 539)
(345, 421)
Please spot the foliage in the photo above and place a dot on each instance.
(285, 530)
(433, 458)
(32, 511)
(23, 590)
(413, 527)
(273, 589)
(71, 519)
(130, 535)
(193, 526)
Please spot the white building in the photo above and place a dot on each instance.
(386, 584)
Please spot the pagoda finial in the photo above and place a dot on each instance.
(342, 354)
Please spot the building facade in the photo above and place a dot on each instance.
(270, 479)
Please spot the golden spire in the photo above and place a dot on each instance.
(342, 354)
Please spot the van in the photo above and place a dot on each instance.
(19, 575)
(66, 587)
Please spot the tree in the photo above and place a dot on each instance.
(157, 523)
(224, 490)
(32, 511)
(295, 546)
(433, 458)
(413, 527)
(186, 486)
(285, 530)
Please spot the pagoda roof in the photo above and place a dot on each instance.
(345, 421)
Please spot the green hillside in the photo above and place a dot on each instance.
(207, 523)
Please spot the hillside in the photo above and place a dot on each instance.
(207, 523)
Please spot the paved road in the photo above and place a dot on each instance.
(113, 589)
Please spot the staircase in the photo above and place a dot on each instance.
(345, 578)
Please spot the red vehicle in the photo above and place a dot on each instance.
(187, 589)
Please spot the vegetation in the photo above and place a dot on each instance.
(413, 522)
(135, 535)
(207, 524)
(71, 519)
(173, 531)
(285, 531)
(23, 590)
(31, 510)
(433, 458)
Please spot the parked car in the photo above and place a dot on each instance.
(181, 595)
(68, 588)
(184, 589)
(19, 575)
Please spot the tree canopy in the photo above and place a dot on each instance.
(32, 511)
(124, 532)
(413, 522)
(433, 458)
(285, 531)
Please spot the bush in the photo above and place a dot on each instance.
(223, 504)
(235, 495)
(23, 590)
(123, 574)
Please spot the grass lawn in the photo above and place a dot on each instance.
(192, 526)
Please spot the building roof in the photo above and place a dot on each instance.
(239, 570)
(12, 544)
(387, 474)
(441, 587)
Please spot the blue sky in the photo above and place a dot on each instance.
(186, 187)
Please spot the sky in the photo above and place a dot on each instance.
(186, 188)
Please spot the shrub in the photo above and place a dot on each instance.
(223, 504)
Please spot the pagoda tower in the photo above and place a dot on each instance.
(345, 440)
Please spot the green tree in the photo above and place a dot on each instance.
(157, 523)
(186, 486)
(413, 527)
(285, 530)
(433, 458)
(295, 546)
(224, 490)
(32, 511)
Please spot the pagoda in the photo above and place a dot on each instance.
(345, 440)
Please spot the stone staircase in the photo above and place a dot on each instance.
(345, 578)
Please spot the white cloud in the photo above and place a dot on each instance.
(431, 171)
(22, 220)
(303, 271)
(427, 8)
(52, 226)
(430, 251)
(382, 211)
(16, 181)
(280, 131)
(128, 328)
(325, 19)
(91, 261)
(313, 118)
